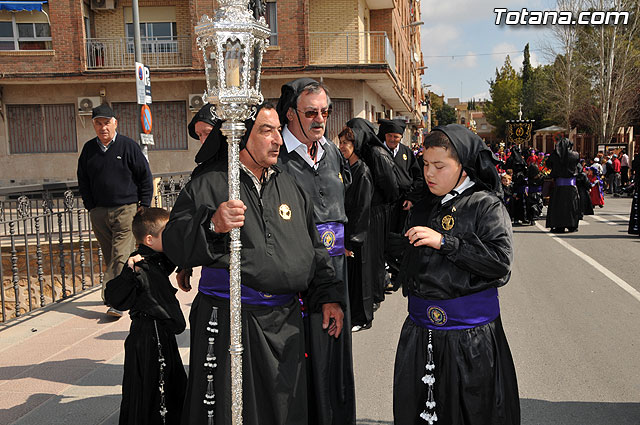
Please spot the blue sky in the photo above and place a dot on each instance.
(467, 27)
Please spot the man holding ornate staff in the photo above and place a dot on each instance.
(282, 255)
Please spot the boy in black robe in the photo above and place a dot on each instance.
(460, 251)
(154, 381)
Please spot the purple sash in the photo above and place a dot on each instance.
(458, 313)
(565, 181)
(216, 282)
(535, 189)
(332, 236)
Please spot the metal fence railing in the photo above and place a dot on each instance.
(350, 48)
(119, 53)
(47, 248)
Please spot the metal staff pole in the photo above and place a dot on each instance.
(233, 43)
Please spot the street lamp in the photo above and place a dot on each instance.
(232, 45)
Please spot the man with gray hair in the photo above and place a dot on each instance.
(114, 180)
(318, 166)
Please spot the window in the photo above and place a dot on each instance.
(42, 128)
(16, 33)
(272, 21)
(169, 123)
(156, 37)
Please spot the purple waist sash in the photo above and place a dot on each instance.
(565, 181)
(332, 236)
(535, 189)
(459, 313)
(216, 282)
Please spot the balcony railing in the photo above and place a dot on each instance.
(119, 53)
(47, 248)
(351, 48)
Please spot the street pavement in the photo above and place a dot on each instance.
(571, 314)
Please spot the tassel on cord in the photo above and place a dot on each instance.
(162, 364)
(429, 413)
(210, 366)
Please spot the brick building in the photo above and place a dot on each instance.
(58, 62)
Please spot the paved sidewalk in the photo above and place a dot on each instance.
(63, 363)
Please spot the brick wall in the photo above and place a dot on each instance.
(66, 35)
(291, 51)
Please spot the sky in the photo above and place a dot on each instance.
(466, 30)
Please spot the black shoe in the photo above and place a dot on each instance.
(572, 229)
(557, 230)
(376, 306)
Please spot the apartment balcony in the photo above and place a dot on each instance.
(351, 48)
(119, 53)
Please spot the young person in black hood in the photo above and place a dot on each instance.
(152, 389)
(459, 250)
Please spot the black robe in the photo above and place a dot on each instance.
(330, 368)
(357, 205)
(153, 305)
(411, 184)
(386, 183)
(584, 187)
(564, 203)
(534, 202)
(634, 215)
(281, 254)
(477, 255)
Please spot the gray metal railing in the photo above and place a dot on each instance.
(351, 48)
(158, 52)
(47, 248)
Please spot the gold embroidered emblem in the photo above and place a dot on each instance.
(447, 222)
(404, 156)
(340, 176)
(328, 239)
(285, 212)
(453, 209)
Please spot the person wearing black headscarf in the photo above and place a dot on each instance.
(564, 204)
(318, 166)
(282, 255)
(357, 203)
(410, 179)
(518, 205)
(458, 250)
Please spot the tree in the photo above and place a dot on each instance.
(446, 115)
(506, 92)
(562, 85)
(612, 60)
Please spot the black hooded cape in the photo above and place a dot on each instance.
(357, 230)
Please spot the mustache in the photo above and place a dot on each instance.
(317, 125)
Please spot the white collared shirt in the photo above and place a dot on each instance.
(466, 184)
(394, 152)
(105, 147)
(293, 144)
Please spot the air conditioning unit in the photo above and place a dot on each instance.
(195, 102)
(102, 4)
(86, 104)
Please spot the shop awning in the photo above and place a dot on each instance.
(18, 6)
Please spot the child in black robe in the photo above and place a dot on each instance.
(453, 363)
(154, 381)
